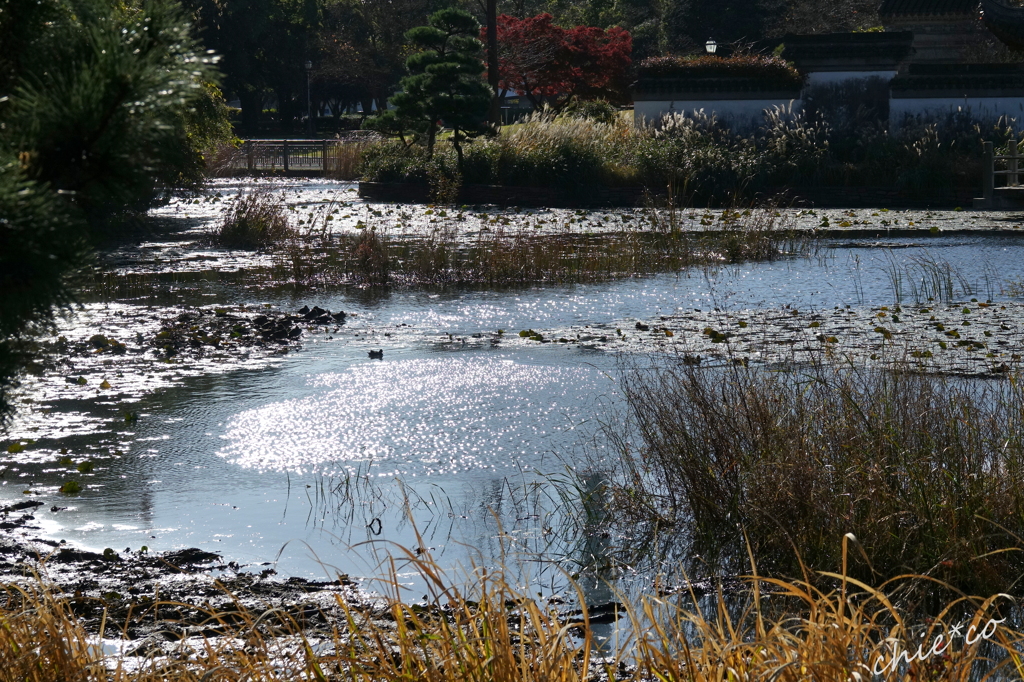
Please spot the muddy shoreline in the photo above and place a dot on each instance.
(152, 599)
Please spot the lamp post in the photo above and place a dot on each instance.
(711, 46)
(309, 108)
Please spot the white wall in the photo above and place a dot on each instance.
(739, 114)
(833, 77)
(981, 109)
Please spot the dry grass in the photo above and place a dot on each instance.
(495, 632)
(344, 159)
(223, 159)
(927, 471)
(256, 219)
(506, 256)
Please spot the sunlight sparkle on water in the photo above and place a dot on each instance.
(416, 417)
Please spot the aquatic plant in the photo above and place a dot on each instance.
(370, 257)
(502, 255)
(926, 471)
(255, 219)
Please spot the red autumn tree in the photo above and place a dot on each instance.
(540, 60)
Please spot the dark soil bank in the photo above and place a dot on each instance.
(155, 598)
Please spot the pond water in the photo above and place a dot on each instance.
(461, 440)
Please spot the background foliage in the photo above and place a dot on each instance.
(358, 48)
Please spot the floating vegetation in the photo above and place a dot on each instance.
(932, 339)
(71, 488)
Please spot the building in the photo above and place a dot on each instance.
(913, 71)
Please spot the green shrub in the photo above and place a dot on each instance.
(703, 161)
(544, 151)
(393, 161)
(112, 104)
(774, 72)
(599, 110)
(42, 250)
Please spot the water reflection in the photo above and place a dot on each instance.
(421, 417)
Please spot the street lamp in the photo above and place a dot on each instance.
(711, 46)
(309, 108)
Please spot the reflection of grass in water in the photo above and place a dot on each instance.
(486, 628)
(549, 513)
(926, 471)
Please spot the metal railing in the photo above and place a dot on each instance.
(1012, 171)
(337, 158)
(289, 155)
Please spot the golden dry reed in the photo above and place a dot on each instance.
(789, 630)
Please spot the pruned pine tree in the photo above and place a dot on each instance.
(444, 84)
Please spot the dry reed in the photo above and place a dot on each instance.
(926, 471)
(503, 256)
(344, 160)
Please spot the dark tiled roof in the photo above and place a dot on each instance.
(849, 46)
(936, 8)
(963, 78)
(980, 70)
(1005, 21)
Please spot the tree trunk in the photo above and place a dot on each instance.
(252, 108)
(431, 137)
(456, 142)
(284, 110)
(492, 61)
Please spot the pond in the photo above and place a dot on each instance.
(464, 439)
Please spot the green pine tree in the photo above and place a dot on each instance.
(444, 83)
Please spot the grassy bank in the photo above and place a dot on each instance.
(925, 471)
(703, 161)
(485, 629)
